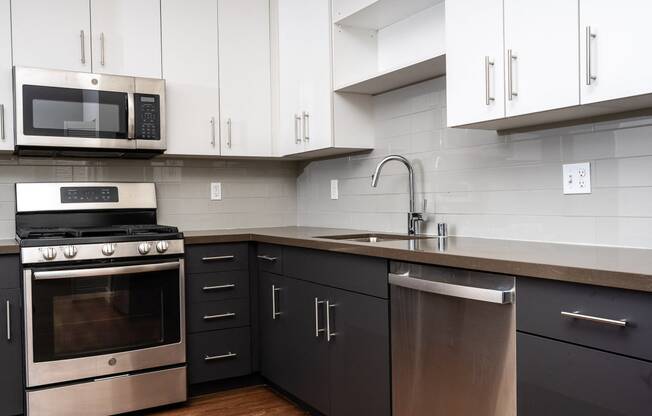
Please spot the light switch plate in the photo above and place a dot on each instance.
(216, 191)
(577, 178)
(335, 193)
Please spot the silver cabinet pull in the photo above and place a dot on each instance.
(2, 122)
(219, 316)
(82, 39)
(329, 333)
(578, 315)
(8, 321)
(510, 75)
(212, 123)
(589, 73)
(220, 357)
(219, 287)
(318, 330)
(102, 49)
(297, 122)
(267, 258)
(218, 258)
(275, 313)
(228, 133)
(306, 126)
(487, 83)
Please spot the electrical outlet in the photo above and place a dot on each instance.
(216, 191)
(577, 178)
(335, 193)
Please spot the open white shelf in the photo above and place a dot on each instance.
(377, 14)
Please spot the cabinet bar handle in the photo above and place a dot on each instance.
(271, 259)
(220, 287)
(8, 321)
(275, 313)
(306, 126)
(329, 334)
(102, 49)
(297, 122)
(589, 73)
(510, 75)
(218, 258)
(220, 316)
(228, 133)
(2, 122)
(318, 330)
(220, 357)
(82, 37)
(487, 84)
(578, 315)
(212, 123)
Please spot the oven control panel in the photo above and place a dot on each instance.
(147, 114)
(88, 194)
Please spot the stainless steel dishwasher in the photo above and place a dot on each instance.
(453, 342)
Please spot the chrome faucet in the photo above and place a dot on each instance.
(414, 218)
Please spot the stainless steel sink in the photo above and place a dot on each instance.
(373, 238)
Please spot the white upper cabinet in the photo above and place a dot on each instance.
(541, 55)
(6, 96)
(190, 69)
(245, 80)
(617, 37)
(474, 61)
(126, 37)
(51, 34)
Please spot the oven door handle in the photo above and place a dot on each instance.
(106, 271)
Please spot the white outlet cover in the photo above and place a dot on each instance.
(335, 193)
(577, 178)
(216, 191)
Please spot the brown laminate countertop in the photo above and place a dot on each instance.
(625, 268)
(9, 246)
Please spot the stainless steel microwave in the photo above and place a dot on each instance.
(79, 113)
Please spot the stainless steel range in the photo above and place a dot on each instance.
(104, 299)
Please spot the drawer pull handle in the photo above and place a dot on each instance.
(220, 316)
(268, 258)
(220, 287)
(578, 315)
(220, 357)
(218, 258)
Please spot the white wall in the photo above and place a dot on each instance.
(487, 185)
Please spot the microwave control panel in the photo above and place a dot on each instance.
(148, 115)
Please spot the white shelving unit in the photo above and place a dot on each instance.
(386, 44)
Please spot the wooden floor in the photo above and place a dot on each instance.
(250, 401)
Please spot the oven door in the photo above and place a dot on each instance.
(90, 322)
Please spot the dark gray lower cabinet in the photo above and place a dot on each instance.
(11, 373)
(217, 355)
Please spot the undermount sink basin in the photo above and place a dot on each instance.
(373, 238)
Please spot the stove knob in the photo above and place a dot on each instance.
(144, 248)
(108, 249)
(49, 253)
(162, 246)
(70, 251)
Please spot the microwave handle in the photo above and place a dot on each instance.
(131, 116)
(105, 271)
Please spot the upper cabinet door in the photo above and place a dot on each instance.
(6, 88)
(245, 81)
(53, 35)
(127, 37)
(541, 65)
(190, 69)
(614, 49)
(474, 61)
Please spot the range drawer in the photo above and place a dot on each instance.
(222, 314)
(360, 274)
(216, 257)
(269, 258)
(546, 308)
(556, 378)
(205, 287)
(218, 355)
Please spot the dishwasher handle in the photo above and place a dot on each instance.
(497, 295)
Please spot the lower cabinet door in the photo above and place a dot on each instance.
(218, 355)
(11, 376)
(556, 378)
(359, 354)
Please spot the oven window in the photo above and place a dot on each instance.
(78, 317)
(68, 112)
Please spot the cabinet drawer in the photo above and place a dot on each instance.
(9, 278)
(218, 355)
(541, 303)
(556, 378)
(269, 258)
(361, 274)
(222, 314)
(216, 257)
(205, 287)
